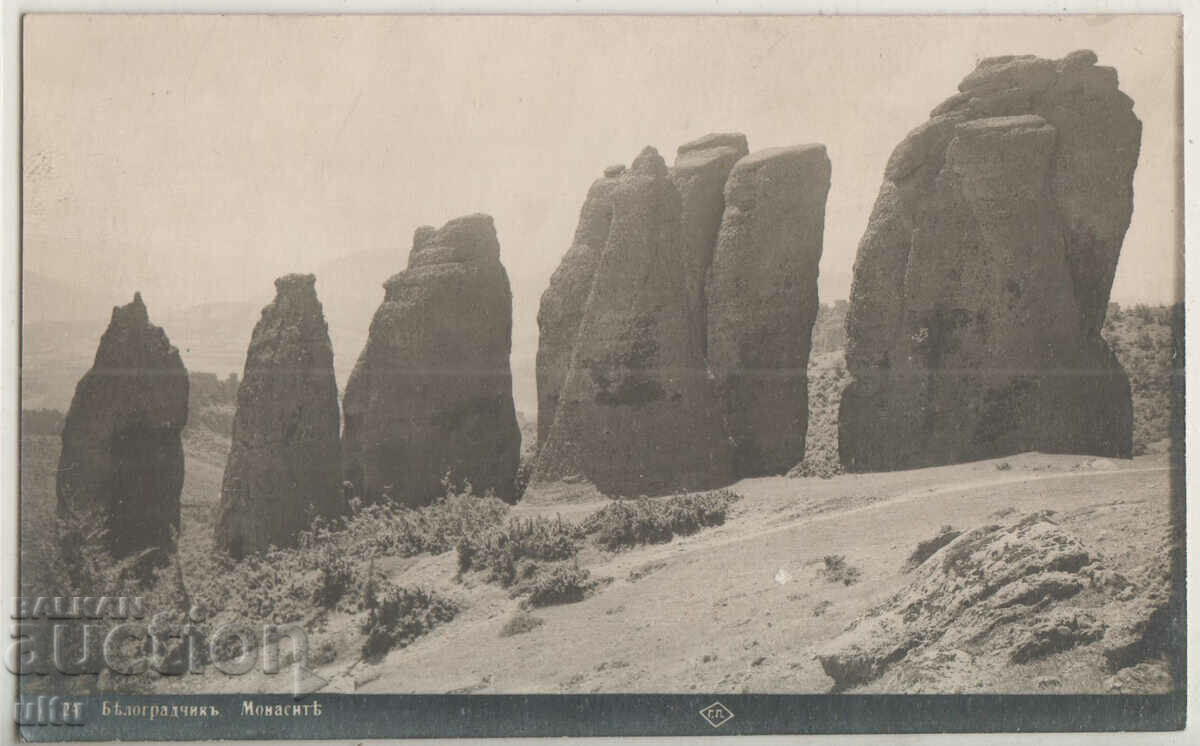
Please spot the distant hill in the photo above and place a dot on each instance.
(47, 299)
(351, 289)
(212, 337)
(55, 354)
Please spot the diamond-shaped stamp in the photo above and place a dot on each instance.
(716, 714)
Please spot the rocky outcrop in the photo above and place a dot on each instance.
(1006, 591)
(982, 280)
(636, 413)
(711, 264)
(1009, 593)
(431, 394)
(284, 465)
(122, 456)
(762, 302)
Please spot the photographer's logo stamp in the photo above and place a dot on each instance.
(716, 714)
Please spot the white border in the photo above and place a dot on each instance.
(10, 181)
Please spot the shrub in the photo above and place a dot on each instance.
(836, 570)
(520, 624)
(502, 550)
(81, 564)
(524, 473)
(335, 576)
(648, 521)
(559, 584)
(389, 529)
(396, 616)
(324, 654)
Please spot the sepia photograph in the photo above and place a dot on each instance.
(374, 369)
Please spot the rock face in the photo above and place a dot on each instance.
(121, 450)
(431, 394)
(762, 302)
(284, 466)
(982, 281)
(636, 413)
(668, 266)
(701, 170)
(563, 302)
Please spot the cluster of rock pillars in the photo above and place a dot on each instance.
(675, 333)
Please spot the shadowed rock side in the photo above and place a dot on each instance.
(701, 169)
(982, 280)
(284, 464)
(636, 413)
(762, 302)
(431, 394)
(121, 450)
(562, 304)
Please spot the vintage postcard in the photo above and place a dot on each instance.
(390, 376)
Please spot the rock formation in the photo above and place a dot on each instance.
(635, 412)
(431, 394)
(284, 466)
(625, 396)
(122, 457)
(982, 281)
(762, 302)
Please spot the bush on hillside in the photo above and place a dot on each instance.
(520, 624)
(625, 523)
(561, 583)
(396, 616)
(500, 550)
(837, 570)
(335, 577)
(388, 529)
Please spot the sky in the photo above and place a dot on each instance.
(196, 158)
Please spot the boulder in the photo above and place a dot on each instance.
(636, 412)
(284, 466)
(982, 280)
(122, 455)
(431, 394)
(762, 302)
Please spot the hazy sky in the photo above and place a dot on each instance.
(198, 157)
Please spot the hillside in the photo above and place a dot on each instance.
(726, 618)
(763, 595)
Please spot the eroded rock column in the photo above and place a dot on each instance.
(284, 466)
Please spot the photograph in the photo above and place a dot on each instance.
(463, 375)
